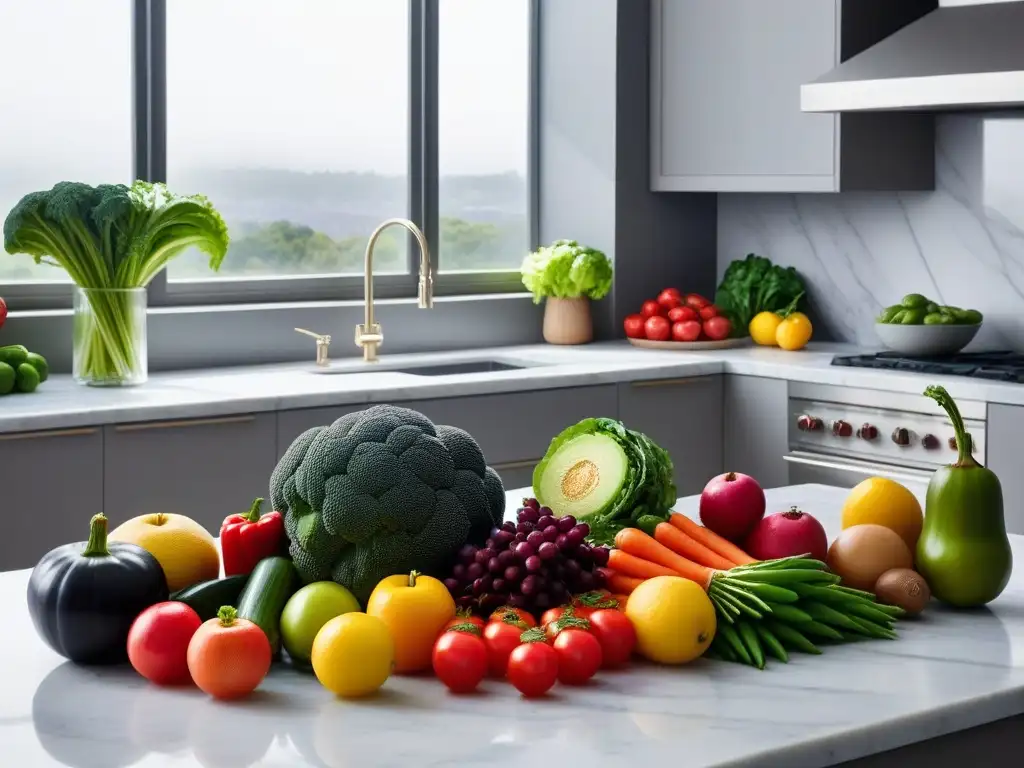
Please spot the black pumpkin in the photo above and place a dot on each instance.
(83, 597)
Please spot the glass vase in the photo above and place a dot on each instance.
(109, 337)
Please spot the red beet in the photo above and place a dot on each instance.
(731, 505)
(786, 534)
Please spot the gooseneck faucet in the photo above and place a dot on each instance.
(369, 334)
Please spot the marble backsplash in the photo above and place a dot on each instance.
(962, 244)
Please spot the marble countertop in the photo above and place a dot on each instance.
(60, 403)
(948, 671)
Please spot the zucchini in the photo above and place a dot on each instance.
(271, 583)
(206, 597)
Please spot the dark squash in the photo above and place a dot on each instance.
(83, 597)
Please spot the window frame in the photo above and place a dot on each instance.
(149, 150)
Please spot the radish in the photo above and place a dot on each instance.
(786, 534)
(731, 505)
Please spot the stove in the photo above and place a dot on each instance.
(996, 366)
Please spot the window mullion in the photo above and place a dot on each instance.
(533, 127)
(428, 83)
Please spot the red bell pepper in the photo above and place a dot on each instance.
(247, 538)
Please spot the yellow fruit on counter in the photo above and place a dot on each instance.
(674, 619)
(353, 654)
(185, 550)
(415, 609)
(763, 327)
(885, 502)
(794, 332)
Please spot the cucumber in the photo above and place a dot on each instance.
(206, 597)
(272, 582)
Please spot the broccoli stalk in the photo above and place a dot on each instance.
(109, 239)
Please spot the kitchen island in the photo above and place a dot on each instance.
(949, 673)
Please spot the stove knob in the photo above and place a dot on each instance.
(842, 428)
(808, 423)
(930, 442)
(901, 436)
(867, 432)
(953, 445)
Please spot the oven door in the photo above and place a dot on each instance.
(808, 467)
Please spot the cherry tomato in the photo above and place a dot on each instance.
(695, 300)
(524, 616)
(501, 639)
(657, 328)
(682, 314)
(706, 313)
(551, 615)
(634, 325)
(669, 298)
(158, 642)
(688, 330)
(533, 668)
(460, 660)
(579, 656)
(476, 621)
(616, 635)
(717, 328)
(650, 308)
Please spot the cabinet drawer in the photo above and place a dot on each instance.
(203, 468)
(53, 485)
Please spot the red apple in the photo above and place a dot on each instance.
(786, 534)
(731, 505)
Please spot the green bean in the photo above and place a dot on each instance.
(738, 605)
(723, 611)
(743, 595)
(821, 630)
(871, 629)
(771, 592)
(788, 576)
(794, 561)
(749, 637)
(827, 615)
(869, 612)
(732, 637)
(721, 647)
(791, 637)
(771, 642)
(856, 592)
(789, 613)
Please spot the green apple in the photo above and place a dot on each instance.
(307, 611)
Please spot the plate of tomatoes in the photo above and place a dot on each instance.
(680, 321)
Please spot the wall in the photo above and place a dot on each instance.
(859, 252)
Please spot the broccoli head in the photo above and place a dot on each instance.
(383, 491)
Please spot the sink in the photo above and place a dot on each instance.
(452, 369)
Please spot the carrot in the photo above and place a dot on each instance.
(683, 545)
(635, 542)
(630, 565)
(711, 540)
(623, 585)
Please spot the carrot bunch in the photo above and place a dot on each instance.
(762, 606)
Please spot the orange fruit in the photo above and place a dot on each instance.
(885, 502)
(185, 550)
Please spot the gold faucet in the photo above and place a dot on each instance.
(369, 335)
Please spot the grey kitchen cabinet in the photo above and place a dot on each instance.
(203, 468)
(683, 416)
(513, 429)
(726, 117)
(756, 432)
(1005, 425)
(54, 485)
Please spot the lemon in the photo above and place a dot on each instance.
(885, 502)
(762, 328)
(673, 618)
(794, 332)
(353, 654)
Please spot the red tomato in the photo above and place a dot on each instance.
(706, 313)
(688, 330)
(501, 639)
(669, 298)
(634, 325)
(651, 308)
(579, 656)
(228, 657)
(658, 328)
(476, 621)
(696, 301)
(158, 642)
(551, 615)
(524, 616)
(717, 328)
(533, 668)
(682, 314)
(3, 311)
(460, 661)
(615, 632)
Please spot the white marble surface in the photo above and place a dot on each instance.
(60, 403)
(859, 252)
(948, 671)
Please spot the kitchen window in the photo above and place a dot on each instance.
(305, 122)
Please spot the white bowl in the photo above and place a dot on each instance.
(926, 340)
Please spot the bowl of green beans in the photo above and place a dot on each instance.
(921, 327)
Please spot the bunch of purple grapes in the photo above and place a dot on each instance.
(535, 563)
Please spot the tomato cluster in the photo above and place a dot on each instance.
(569, 646)
(675, 317)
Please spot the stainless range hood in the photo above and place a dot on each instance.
(957, 57)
